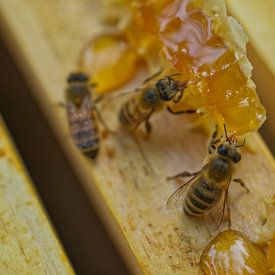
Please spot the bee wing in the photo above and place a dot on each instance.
(80, 114)
(216, 214)
(86, 106)
(79, 118)
(72, 112)
(152, 76)
(112, 97)
(176, 199)
(124, 93)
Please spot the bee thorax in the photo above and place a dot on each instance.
(219, 169)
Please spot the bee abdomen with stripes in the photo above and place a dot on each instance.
(81, 115)
(131, 114)
(200, 198)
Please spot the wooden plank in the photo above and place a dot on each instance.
(257, 18)
(28, 243)
(129, 188)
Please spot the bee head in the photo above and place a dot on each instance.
(77, 77)
(168, 88)
(78, 87)
(150, 97)
(230, 147)
(230, 151)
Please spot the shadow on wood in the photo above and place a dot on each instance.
(84, 239)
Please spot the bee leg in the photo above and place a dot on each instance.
(184, 174)
(148, 126)
(153, 76)
(211, 148)
(214, 136)
(181, 112)
(240, 181)
(214, 140)
(177, 100)
(102, 121)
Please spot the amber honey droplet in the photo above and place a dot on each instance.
(110, 61)
(2, 152)
(271, 254)
(231, 253)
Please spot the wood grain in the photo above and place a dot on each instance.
(127, 183)
(28, 244)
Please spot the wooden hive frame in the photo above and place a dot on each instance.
(28, 242)
(128, 187)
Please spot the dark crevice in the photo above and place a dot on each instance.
(88, 246)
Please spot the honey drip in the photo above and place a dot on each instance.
(186, 36)
(110, 61)
(232, 253)
(271, 255)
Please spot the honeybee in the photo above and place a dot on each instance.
(207, 191)
(151, 97)
(82, 114)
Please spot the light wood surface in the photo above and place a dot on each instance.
(28, 244)
(258, 19)
(127, 183)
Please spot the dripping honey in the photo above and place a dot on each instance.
(181, 34)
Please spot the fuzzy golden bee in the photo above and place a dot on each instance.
(82, 114)
(207, 191)
(150, 98)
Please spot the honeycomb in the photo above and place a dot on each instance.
(197, 39)
(271, 254)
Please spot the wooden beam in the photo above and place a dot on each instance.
(129, 186)
(28, 242)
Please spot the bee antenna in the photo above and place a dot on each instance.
(241, 145)
(160, 70)
(225, 132)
